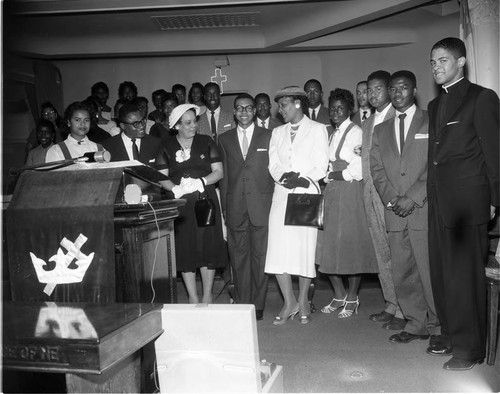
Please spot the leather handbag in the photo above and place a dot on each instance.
(305, 209)
(204, 209)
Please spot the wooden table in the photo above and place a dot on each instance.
(97, 346)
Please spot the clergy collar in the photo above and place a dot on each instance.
(451, 84)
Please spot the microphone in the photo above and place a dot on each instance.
(101, 156)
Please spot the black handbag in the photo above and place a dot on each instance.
(304, 209)
(204, 209)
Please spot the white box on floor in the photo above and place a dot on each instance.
(212, 348)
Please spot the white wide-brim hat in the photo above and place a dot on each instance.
(179, 111)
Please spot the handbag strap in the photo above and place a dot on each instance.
(201, 195)
(314, 183)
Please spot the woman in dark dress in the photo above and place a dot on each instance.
(194, 160)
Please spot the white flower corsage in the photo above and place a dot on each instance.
(182, 155)
(357, 150)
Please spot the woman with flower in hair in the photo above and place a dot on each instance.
(344, 246)
(194, 165)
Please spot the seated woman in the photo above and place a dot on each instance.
(194, 164)
(101, 91)
(344, 246)
(45, 133)
(109, 126)
(195, 96)
(48, 112)
(162, 129)
(77, 120)
(158, 97)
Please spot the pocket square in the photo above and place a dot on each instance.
(421, 136)
(261, 150)
(450, 123)
(152, 160)
(227, 125)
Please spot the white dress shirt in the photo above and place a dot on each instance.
(352, 144)
(76, 149)
(316, 111)
(380, 116)
(249, 132)
(127, 141)
(409, 116)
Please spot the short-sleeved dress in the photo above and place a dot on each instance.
(195, 246)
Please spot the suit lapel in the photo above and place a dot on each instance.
(391, 137)
(416, 122)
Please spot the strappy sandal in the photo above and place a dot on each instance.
(329, 308)
(347, 312)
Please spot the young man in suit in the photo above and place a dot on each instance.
(378, 95)
(246, 195)
(264, 118)
(398, 162)
(364, 109)
(215, 120)
(316, 110)
(132, 123)
(463, 191)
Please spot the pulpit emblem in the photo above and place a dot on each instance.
(62, 273)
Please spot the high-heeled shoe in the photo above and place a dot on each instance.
(305, 319)
(329, 308)
(278, 320)
(347, 312)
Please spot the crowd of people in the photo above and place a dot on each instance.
(408, 193)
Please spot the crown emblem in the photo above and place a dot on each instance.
(62, 274)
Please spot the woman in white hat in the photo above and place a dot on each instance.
(194, 164)
(298, 159)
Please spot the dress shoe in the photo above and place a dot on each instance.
(279, 321)
(458, 364)
(439, 350)
(437, 347)
(395, 324)
(259, 314)
(406, 337)
(383, 317)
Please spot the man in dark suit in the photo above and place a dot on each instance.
(398, 163)
(378, 95)
(264, 118)
(246, 195)
(463, 191)
(132, 123)
(316, 110)
(365, 110)
(215, 120)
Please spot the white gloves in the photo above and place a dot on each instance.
(188, 185)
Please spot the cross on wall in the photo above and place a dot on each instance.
(219, 79)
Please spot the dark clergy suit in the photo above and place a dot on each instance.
(226, 122)
(405, 174)
(375, 212)
(150, 148)
(273, 122)
(246, 195)
(463, 182)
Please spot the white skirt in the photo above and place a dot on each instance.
(291, 249)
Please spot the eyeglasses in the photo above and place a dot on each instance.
(248, 108)
(138, 123)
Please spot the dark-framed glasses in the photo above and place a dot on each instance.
(248, 108)
(137, 124)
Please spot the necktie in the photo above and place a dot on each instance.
(313, 115)
(264, 124)
(244, 144)
(213, 125)
(364, 116)
(402, 131)
(135, 150)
